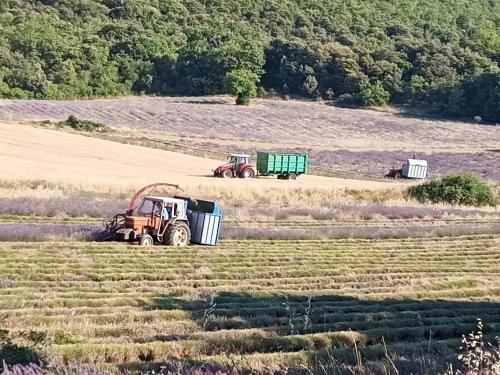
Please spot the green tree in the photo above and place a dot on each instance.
(243, 84)
(374, 94)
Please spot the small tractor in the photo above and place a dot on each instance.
(237, 166)
(174, 221)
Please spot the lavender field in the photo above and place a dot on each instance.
(305, 280)
(279, 122)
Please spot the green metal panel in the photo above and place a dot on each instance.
(269, 163)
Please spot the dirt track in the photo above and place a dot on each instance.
(34, 153)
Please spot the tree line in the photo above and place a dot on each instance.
(441, 53)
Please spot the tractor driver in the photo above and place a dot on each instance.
(156, 208)
(165, 213)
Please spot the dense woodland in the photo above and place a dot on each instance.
(441, 53)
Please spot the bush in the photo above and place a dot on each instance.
(85, 125)
(457, 189)
(374, 94)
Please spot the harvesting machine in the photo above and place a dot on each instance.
(174, 221)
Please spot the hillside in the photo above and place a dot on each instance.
(341, 142)
(443, 53)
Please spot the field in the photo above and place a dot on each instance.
(342, 142)
(277, 303)
(337, 273)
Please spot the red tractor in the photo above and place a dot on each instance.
(237, 166)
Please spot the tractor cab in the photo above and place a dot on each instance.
(238, 159)
(155, 218)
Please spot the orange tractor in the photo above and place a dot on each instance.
(176, 221)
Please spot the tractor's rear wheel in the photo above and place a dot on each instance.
(397, 176)
(178, 235)
(146, 240)
(227, 174)
(248, 173)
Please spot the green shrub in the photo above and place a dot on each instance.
(457, 189)
(243, 84)
(84, 125)
(374, 94)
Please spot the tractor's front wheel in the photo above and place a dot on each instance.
(146, 240)
(178, 235)
(248, 173)
(226, 173)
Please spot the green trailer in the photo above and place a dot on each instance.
(286, 166)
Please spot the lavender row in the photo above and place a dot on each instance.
(371, 232)
(85, 232)
(76, 205)
(46, 232)
(92, 206)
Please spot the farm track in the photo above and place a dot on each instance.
(126, 304)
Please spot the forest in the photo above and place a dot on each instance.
(441, 54)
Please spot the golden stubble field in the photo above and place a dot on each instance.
(30, 153)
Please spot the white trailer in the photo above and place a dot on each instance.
(414, 168)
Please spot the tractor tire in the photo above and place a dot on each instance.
(397, 176)
(146, 240)
(291, 176)
(178, 234)
(248, 173)
(226, 174)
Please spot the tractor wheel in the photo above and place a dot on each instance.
(397, 176)
(146, 240)
(178, 235)
(248, 173)
(291, 176)
(227, 174)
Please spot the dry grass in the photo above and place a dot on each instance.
(30, 153)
